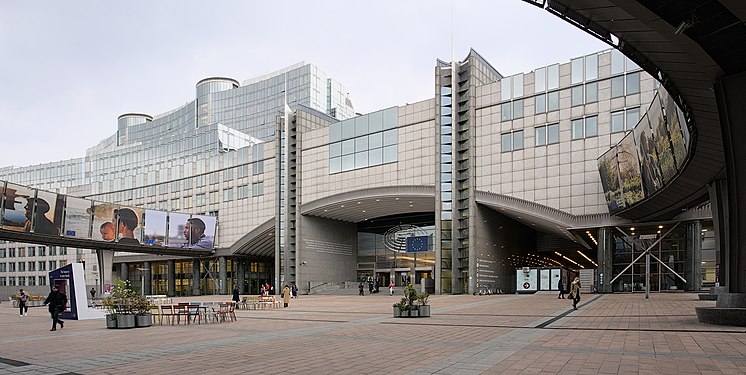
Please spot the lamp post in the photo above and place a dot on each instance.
(142, 279)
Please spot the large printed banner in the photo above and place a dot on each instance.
(648, 157)
(24, 209)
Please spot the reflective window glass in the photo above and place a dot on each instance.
(348, 162)
(577, 129)
(591, 126)
(375, 140)
(445, 120)
(389, 154)
(348, 128)
(517, 85)
(361, 143)
(505, 90)
(541, 136)
(361, 125)
(506, 141)
(617, 121)
(591, 92)
(335, 149)
(375, 156)
(445, 101)
(540, 80)
(375, 122)
(591, 67)
(348, 147)
(576, 74)
(335, 132)
(361, 159)
(576, 95)
(445, 186)
(518, 108)
(390, 118)
(389, 137)
(633, 83)
(617, 87)
(553, 76)
(633, 117)
(540, 104)
(553, 101)
(553, 134)
(617, 61)
(518, 140)
(505, 111)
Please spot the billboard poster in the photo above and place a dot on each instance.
(104, 221)
(77, 218)
(651, 177)
(661, 140)
(18, 211)
(176, 224)
(629, 170)
(200, 231)
(129, 225)
(155, 228)
(48, 212)
(675, 129)
(608, 168)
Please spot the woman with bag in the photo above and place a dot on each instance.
(575, 292)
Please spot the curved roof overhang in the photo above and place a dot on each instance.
(687, 61)
(360, 205)
(260, 242)
(544, 218)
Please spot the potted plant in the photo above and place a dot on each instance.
(401, 308)
(120, 306)
(111, 311)
(143, 317)
(423, 308)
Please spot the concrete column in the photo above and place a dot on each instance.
(241, 270)
(148, 278)
(605, 259)
(223, 278)
(693, 265)
(124, 272)
(105, 268)
(196, 278)
(171, 265)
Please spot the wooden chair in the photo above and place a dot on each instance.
(167, 311)
(182, 309)
(232, 311)
(155, 310)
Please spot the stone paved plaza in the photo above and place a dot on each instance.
(499, 334)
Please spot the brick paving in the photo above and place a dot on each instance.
(500, 334)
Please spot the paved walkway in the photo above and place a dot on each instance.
(501, 334)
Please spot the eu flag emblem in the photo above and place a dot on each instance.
(417, 244)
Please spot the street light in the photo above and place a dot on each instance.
(142, 279)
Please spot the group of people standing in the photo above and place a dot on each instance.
(574, 291)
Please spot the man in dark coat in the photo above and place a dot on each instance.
(56, 301)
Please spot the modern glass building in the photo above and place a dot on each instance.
(456, 192)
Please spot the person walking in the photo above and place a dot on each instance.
(236, 296)
(22, 303)
(286, 295)
(93, 293)
(294, 290)
(561, 288)
(575, 292)
(391, 288)
(56, 301)
(360, 292)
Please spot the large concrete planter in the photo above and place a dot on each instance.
(144, 320)
(424, 311)
(111, 321)
(126, 321)
(397, 312)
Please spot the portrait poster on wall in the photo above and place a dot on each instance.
(104, 221)
(15, 214)
(176, 224)
(129, 223)
(155, 228)
(48, 213)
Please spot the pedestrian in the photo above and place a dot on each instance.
(286, 295)
(360, 289)
(56, 301)
(378, 285)
(267, 288)
(236, 297)
(370, 285)
(22, 303)
(561, 288)
(262, 290)
(391, 288)
(575, 292)
(93, 293)
(294, 290)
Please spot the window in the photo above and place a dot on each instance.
(553, 101)
(553, 77)
(576, 94)
(3, 267)
(576, 74)
(242, 192)
(257, 167)
(32, 266)
(591, 92)
(584, 127)
(632, 118)
(617, 121)
(633, 83)
(11, 252)
(591, 67)
(540, 104)
(175, 204)
(12, 267)
(547, 135)
(518, 108)
(617, 87)
(42, 280)
(617, 62)
(200, 200)
(540, 80)
(512, 141)
(227, 194)
(242, 171)
(517, 85)
(505, 89)
(227, 175)
(505, 111)
(2, 253)
(42, 251)
(42, 265)
(257, 189)
(32, 251)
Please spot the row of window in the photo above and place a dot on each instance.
(23, 281)
(363, 159)
(371, 123)
(585, 127)
(41, 251)
(28, 266)
(581, 94)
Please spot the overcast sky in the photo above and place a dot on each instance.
(70, 68)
